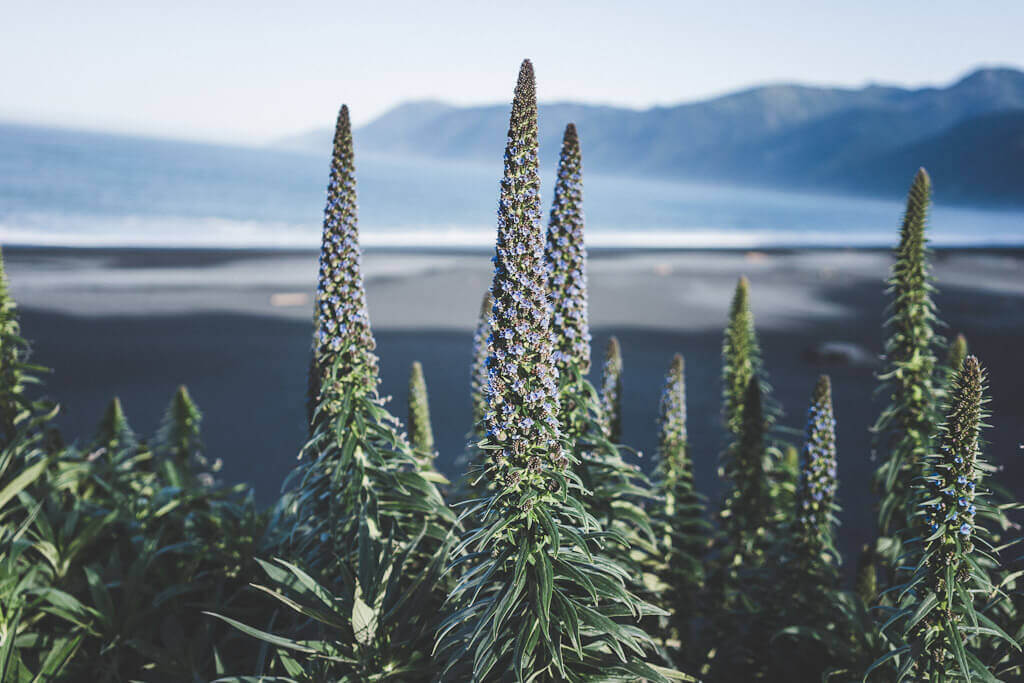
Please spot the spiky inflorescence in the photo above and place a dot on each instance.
(421, 434)
(907, 424)
(611, 391)
(814, 550)
(478, 371)
(114, 434)
(178, 437)
(679, 516)
(522, 612)
(566, 260)
(949, 593)
(355, 455)
(740, 357)
(342, 338)
(745, 509)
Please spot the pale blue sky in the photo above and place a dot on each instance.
(249, 71)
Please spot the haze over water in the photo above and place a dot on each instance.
(81, 189)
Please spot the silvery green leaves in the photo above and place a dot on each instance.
(537, 598)
(942, 627)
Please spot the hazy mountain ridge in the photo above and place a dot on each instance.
(793, 136)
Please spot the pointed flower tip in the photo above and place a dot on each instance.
(823, 389)
(570, 133)
(922, 177)
(526, 87)
(678, 364)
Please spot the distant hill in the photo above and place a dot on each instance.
(794, 136)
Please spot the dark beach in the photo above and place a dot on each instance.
(235, 328)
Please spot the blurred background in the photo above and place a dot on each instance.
(162, 175)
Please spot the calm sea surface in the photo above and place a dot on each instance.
(80, 189)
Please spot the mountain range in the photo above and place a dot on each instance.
(970, 136)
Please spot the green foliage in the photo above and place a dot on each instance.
(114, 436)
(421, 434)
(941, 622)
(908, 423)
(611, 391)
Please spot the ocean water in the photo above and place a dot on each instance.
(83, 189)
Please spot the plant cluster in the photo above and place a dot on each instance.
(125, 559)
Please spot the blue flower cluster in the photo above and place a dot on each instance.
(566, 258)
(522, 379)
(954, 486)
(816, 491)
(342, 321)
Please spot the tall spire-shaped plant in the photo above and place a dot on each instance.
(616, 487)
(746, 508)
(942, 608)
(813, 554)
(541, 602)
(478, 371)
(751, 515)
(359, 478)
(683, 533)
(954, 361)
(421, 434)
(810, 561)
(905, 429)
(611, 390)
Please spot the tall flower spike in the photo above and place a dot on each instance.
(908, 423)
(522, 379)
(566, 259)
(741, 357)
(520, 613)
(421, 434)
(816, 492)
(478, 371)
(954, 361)
(950, 592)
(13, 352)
(611, 391)
(679, 518)
(342, 329)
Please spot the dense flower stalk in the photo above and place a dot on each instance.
(815, 509)
(741, 357)
(566, 259)
(611, 391)
(342, 325)
(478, 370)
(907, 424)
(746, 507)
(521, 612)
(421, 434)
(946, 632)
(679, 516)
